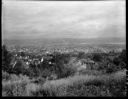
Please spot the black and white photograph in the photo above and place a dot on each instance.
(63, 48)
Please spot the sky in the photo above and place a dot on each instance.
(63, 19)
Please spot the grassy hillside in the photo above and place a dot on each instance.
(85, 85)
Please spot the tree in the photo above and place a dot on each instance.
(61, 65)
(18, 67)
(111, 68)
(97, 57)
(122, 56)
(116, 61)
(81, 55)
(120, 61)
(6, 59)
(22, 54)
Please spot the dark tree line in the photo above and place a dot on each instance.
(6, 59)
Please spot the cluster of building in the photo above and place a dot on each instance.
(28, 59)
(32, 55)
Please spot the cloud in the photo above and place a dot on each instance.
(63, 19)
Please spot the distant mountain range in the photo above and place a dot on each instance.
(64, 41)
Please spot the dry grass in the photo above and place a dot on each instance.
(101, 85)
(20, 88)
(78, 85)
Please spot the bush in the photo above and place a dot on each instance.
(97, 57)
(111, 68)
(122, 56)
(120, 60)
(16, 89)
(81, 55)
(5, 76)
(15, 85)
(90, 90)
(46, 73)
(116, 61)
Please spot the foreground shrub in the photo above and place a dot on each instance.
(15, 85)
(90, 90)
(16, 89)
(79, 85)
(31, 88)
(5, 76)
